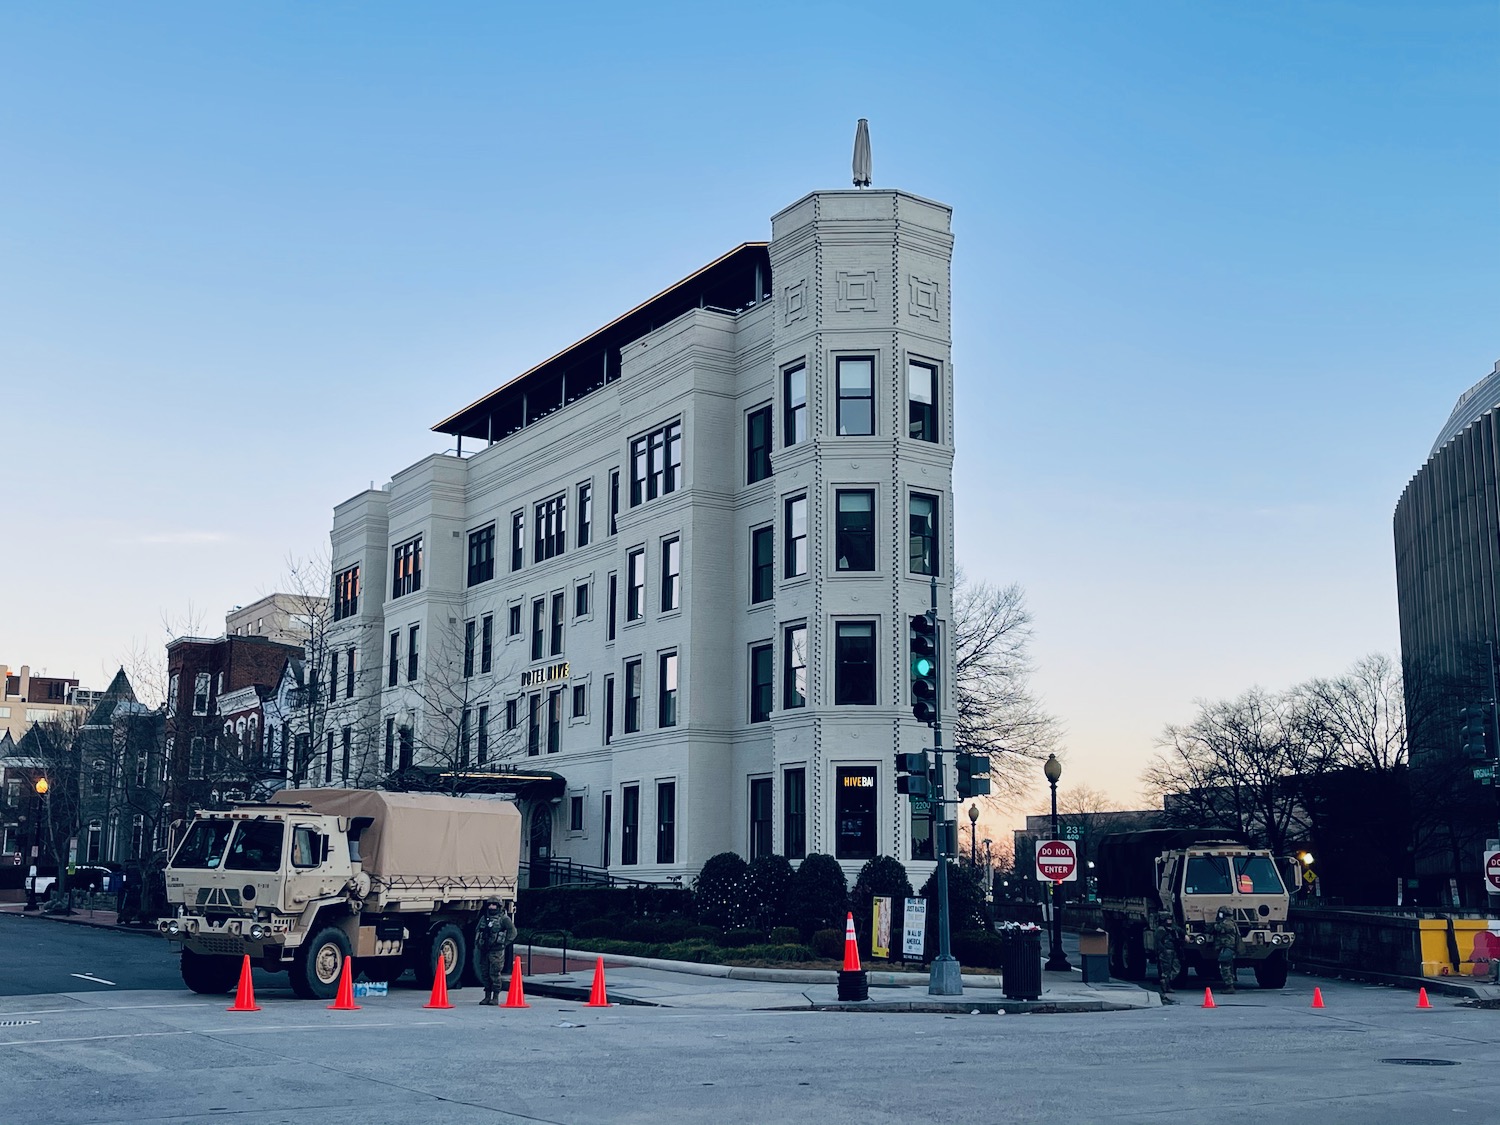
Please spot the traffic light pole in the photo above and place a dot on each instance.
(945, 976)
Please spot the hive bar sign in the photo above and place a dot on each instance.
(545, 675)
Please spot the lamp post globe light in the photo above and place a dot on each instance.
(1057, 960)
(973, 844)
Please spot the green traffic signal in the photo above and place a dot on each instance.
(923, 636)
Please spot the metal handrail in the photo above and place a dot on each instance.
(531, 940)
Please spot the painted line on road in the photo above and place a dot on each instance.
(213, 1031)
(96, 980)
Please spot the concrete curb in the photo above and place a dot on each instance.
(1447, 986)
(765, 976)
(74, 920)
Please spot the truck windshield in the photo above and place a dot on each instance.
(257, 846)
(1207, 875)
(204, 846)
(1256, 875)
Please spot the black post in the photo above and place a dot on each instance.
(1057, 960)
(945, 977)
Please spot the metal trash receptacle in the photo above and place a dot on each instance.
(1093, 953)
(1021, 971)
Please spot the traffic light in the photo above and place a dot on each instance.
(973, 775)
(912, 774)
(1476, 731)
(924, 699)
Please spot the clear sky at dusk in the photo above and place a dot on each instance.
(1221, 272)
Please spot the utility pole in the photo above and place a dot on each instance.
(945, 977)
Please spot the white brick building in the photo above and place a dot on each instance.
(672, 565)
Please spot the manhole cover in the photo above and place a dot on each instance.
(1421, 1062)
(18, 1023)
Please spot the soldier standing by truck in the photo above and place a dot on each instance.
(492, 936)
(1167, 962)
(1227, 942)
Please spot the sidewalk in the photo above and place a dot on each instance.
(100, 919)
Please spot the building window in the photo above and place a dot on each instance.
(137, 835)
(856, 409)
(411, 653)
(390, 743)
(515, 620)
(202, 684)
(471, 635)
(346, 593)
(666, 822)
(349, 674)
(632, 696)
(854, 663)
(558, 610)
(406, 568)
(614, 501)
(487, 642)
(333, 676)
(533, 725)
(762, 565)
(172, 685)
(481, 555)
(328, 760)
(794, 813)
(921, 401)
(96, 834)
(484, 733)
(393, 673)
(796, 537)
(795, 428)
(609, 709)
(585, 512)
(347, 737)
(517, 540)
(538, 628)
(575, 814)
(580, 700)
(760, 817)
(581, 600)
(635, 590)
(666, 697)
(630, 823)
(794, 667)
(856, 529)
(554, 720)
(671, 574)
(404, 742)
(656, 464)
(511, 719)
(96, 783)
(465, 737)
(760, 683)
(551, 528)
(854, 812)
(923, 538)
(758, 445)
(606, 818)
(609, 627)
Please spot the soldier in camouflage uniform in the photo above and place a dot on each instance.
(1227, 941)
(1168, 959)
(492, 936)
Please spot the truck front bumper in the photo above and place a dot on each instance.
(231, 935)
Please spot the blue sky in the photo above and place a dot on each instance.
(1221, 271)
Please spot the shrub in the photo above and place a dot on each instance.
(829, 944)
(977, 949)
(884, 876)
(770, 881)
(783, 935)
(819, 896)
(720, 892)
(738, 939)
(965, 904)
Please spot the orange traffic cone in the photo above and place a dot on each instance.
(516, 997)
(1208, 998)
(244, 995)
(851, 947)
(1317, 998)
(344, 1002)
(597, 996)
(1422, 1001)
(439, 986)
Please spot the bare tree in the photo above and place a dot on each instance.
(998, 714)
(1360, 717)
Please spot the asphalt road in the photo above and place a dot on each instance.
(43, 956)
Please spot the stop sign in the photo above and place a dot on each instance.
(1057, 860)
(1492, 872)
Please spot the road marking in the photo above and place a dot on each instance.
(96, 980)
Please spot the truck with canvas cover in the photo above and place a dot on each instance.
(1190, 873)
(392, 879)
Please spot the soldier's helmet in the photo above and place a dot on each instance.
(1223, 913)
(492, 906)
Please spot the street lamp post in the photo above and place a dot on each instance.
(973, 843)
(1057, 960)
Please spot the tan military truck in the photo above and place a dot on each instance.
(393, 879)
(1191, 873)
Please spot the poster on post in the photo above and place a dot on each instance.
(914, 929)
(880, 929)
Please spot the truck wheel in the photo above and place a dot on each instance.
(1271, 973)
(1135, 956)
(209, 975)
(448, 940)
(315, 972)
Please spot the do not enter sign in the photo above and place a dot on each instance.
(1492, 872)
(1057, 861)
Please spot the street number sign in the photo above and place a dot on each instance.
(1057, 861)
(1492, 872)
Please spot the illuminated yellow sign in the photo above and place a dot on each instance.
(545, 675)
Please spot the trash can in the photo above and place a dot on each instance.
(1021, 971)
(1093, 952)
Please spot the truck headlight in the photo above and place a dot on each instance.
(257, 932)
(171, 927)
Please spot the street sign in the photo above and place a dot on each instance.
(1492, 871)
(1057, 861)
(1485, 774)
(1072, 832)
